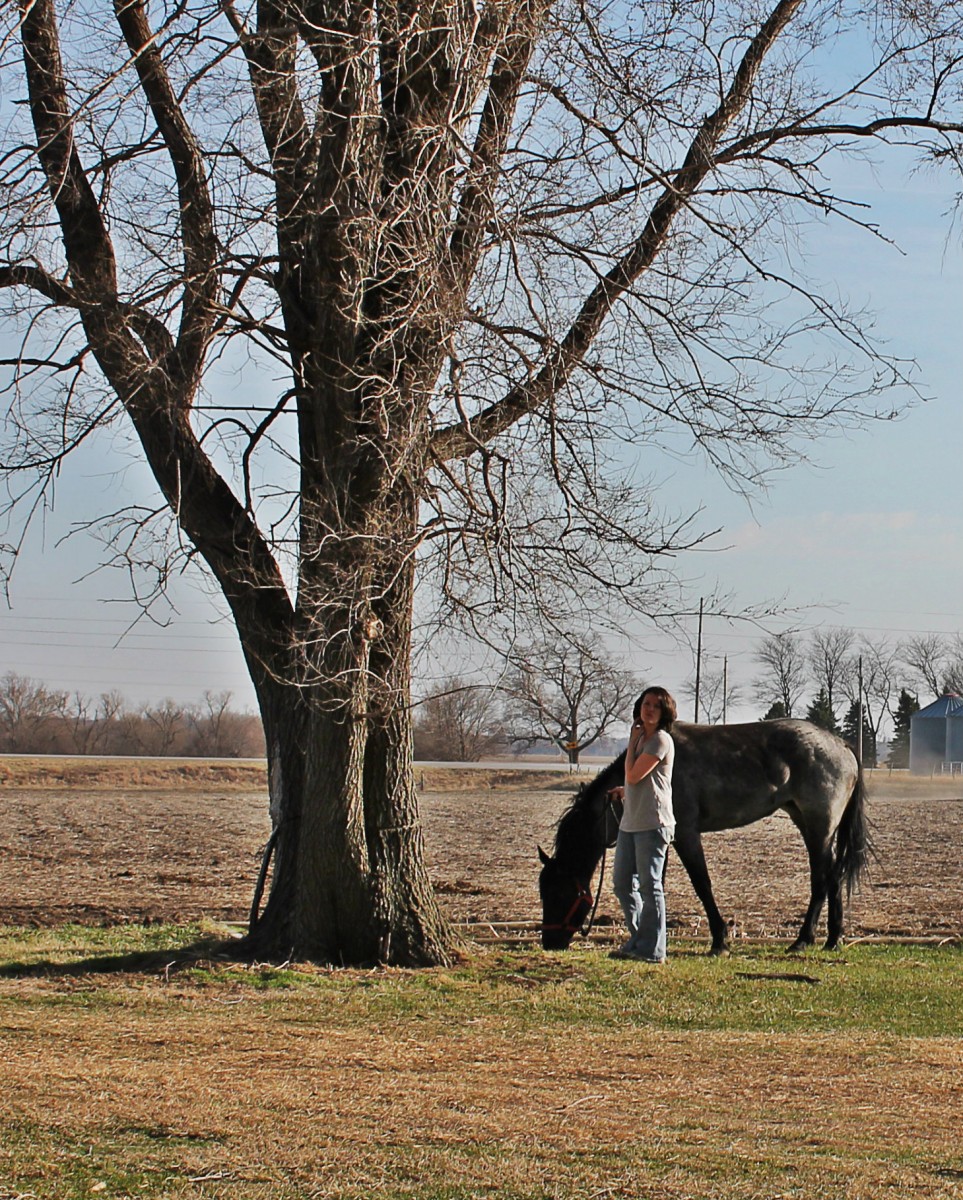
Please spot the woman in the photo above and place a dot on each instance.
(647, 826)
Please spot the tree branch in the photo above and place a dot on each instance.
(460, 440)
(32, 276)
(769, 137)
(477, 197)
(197, 219)
(90, 254)
(201, 500)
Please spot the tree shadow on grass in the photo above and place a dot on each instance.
(166, 961)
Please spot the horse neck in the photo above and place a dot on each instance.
(580, 849)
(581, 841)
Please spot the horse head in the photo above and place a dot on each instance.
(566, 902)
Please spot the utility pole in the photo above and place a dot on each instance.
(725, 686)
(698, 662)
(859, 714)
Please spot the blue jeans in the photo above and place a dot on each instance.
(637, 882)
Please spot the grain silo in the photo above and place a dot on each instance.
(954, 737)
(936, 736)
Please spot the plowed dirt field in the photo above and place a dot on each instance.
(102, 842)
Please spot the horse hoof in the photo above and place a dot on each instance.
(798, 947)
(719, 951)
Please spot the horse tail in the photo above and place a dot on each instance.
(854, 845)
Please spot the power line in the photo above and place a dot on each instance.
(123, 645)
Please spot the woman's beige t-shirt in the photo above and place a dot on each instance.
(648, 804)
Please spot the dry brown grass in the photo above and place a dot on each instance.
(244, 774)
(901, 785)
(172, 1086)
(118, 773)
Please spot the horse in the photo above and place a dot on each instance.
(725, 777)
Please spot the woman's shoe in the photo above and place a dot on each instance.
(624, 951)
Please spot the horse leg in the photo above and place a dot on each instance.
(850, 849)
(688, 845)
(819, 849)
(834, 909)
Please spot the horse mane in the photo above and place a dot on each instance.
(577, 840)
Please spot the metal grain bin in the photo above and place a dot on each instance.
(954, 739)
(936, 735)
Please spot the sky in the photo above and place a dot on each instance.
(868, 536)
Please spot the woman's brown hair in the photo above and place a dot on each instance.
(669, 710)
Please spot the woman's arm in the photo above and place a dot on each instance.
(638, 765)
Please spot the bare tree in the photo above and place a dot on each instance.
(166, 724)
(132, 734)
(482, 246)
(78, 722)
(785, 671)
(219, 731)
(716, 694)
(110, 710)
(28, 710)
(35, 719)
(565, 690)
(210, 721)
(458, 721)
(953, 680)
(830, 659)
(936, 662)
(878, 666)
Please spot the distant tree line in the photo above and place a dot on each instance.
(564, 693)
(556, 693)
(35, 719)
(830, 665)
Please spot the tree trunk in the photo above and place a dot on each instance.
(350, 883)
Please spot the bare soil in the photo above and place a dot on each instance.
(97, 841)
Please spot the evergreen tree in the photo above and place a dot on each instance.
(850, 728)
(776, 712)
(899, 747)
(820, 712)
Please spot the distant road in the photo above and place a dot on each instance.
(496, 764)
(512, 764)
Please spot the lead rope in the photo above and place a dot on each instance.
(587, 928)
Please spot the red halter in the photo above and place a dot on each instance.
(584, 892)
(567, 922)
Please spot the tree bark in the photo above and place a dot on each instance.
(350, 883)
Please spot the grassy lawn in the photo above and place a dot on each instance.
(137, 1063)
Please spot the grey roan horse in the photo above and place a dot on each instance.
(725, 776)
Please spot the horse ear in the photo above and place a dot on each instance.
(543, 856)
